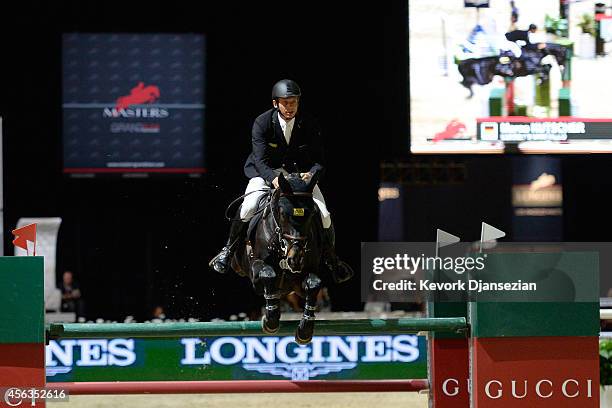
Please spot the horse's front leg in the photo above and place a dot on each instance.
(268, 279)
(305, 329)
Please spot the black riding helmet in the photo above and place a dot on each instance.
(286, 88)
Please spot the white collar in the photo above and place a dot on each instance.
(284, 122)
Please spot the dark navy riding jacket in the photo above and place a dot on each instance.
(305, 152)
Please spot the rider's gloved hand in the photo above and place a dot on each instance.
(306, 176)
(275, 182)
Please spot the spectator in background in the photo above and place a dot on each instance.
(514, 16)
(158, 313)
(71, 295)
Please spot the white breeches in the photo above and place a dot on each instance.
(249, 205)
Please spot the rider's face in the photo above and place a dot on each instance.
(288, 107)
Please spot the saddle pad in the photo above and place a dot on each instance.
(253, 226)
(263, 201)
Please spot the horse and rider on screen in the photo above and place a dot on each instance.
(519, 53)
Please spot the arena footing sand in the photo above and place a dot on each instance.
(311, 400)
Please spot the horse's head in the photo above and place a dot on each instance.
(296, 209)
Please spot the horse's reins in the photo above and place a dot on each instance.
(229, 207)
(281, 238)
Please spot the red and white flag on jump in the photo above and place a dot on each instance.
(23, 235)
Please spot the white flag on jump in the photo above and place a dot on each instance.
(489, 233)
(443, 238)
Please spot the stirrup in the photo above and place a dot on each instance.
(213, 261)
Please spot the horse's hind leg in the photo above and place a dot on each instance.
(271, 320)
(305, 329)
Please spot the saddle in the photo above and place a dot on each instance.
(262, 210)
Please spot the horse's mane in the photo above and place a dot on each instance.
(296, 183)
(297, 186)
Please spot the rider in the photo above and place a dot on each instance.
(527, 36)
(284, 140)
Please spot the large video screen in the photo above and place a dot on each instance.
(499, 76)
(133, 103)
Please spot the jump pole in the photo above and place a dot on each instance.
(238, 387)
(251, 328)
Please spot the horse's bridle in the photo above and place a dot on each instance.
(286, 241)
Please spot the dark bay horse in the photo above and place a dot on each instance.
(283, 253)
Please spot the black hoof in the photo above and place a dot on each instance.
(300, 340)
(304, 332)
(270, 327)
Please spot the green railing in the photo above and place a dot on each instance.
(251, 328)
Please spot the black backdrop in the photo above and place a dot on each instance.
(134, 243)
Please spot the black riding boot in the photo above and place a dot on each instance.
(222, 261)
(340, 270)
